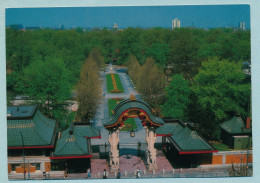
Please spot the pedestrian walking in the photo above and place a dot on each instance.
(119, 174)
(105, 174)
(44, 175)
(66, 173)
(88, 173)
(138, 173)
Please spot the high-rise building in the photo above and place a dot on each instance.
(242, 25)
(115, 26)
(176, 23)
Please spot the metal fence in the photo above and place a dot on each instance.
(175, 173)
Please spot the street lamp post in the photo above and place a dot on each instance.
(29, 178)
(23, 157)
(91, 122)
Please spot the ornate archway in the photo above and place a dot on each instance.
(132, 108)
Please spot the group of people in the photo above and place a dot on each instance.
(138, 173)
(105, 173)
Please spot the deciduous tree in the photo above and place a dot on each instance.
(221, 92)
(133, 68)
(96, 56)
(177, 98)
(47, 84)
(151, 83)
(88, 90)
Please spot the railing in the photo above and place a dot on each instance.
(175, 173)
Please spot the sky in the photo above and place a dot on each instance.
(206, 16)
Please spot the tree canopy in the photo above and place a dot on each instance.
(47, 84)
(133, 68)
(151, 83)
(218, 86)
(88, 89)
(221, 91)
(177, 98)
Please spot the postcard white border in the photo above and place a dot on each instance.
(255, 45)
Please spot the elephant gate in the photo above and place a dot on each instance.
(133, 108)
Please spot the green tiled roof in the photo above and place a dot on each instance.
(69, 145)
(86, 131)
(36, 131)
(22, 111)
(183, 138)
(188, 140)
(83, 131)
(166, 129)
(128, 104)
(235, 126)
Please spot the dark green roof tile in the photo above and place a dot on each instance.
(21, 111)
(235, 126)
(184, 138)
(83, 131)
(166, 129)
(86, 131)
(189, 140)
(37, 131)
(71, 145)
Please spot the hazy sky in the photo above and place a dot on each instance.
(206, 16)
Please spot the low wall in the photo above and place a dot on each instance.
(15, 164)
(229, 157)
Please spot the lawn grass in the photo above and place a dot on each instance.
(112, 104)
(110, 86)
(130, 123)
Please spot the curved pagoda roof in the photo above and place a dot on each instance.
(38, 131)
(128, 104)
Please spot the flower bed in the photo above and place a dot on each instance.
(114, 84)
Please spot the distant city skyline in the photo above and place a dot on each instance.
(201, 16)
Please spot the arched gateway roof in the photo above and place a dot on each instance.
(129, 104)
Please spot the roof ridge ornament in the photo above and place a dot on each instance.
(132, 97)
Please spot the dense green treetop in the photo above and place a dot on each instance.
(177, 98)
(151, 83)
(47, 84)
(220, 87)
(183, 47)
(159, 52)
